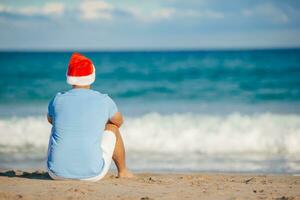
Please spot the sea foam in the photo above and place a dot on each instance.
(264, 133)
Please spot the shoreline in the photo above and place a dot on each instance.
(16, 184)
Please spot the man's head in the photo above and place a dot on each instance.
(81, 71)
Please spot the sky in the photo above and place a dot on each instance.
(148, 24)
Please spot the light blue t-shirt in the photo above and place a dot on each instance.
(78, 117)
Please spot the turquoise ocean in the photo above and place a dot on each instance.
(225, 110)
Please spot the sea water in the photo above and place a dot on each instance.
(187, 111)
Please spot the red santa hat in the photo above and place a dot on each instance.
(81, 70)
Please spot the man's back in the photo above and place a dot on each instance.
(79, 117)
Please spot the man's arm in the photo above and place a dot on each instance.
(117, 119)
(49, 119)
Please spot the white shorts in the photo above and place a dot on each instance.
(107, 146)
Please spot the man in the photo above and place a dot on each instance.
(85, 135)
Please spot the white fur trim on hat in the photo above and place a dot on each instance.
(82, 80)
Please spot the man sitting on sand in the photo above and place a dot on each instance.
(85, 135)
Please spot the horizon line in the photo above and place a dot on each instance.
(149, 49)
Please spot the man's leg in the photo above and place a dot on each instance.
(119, 152)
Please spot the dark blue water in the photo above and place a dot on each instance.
(248, 77)
(229, 110)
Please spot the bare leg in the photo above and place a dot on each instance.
(119, 152)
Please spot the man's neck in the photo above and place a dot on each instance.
(81, 86)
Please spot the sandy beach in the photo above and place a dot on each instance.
(146, 186)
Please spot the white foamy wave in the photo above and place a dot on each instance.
(176, 133)
(235, 133)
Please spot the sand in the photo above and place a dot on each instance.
(147, 186)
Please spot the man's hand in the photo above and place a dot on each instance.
(49, 119)
(117, 119)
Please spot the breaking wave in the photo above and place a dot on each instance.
(264, 133)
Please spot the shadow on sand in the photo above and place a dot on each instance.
(30, 175)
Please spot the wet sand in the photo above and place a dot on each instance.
(147, 186)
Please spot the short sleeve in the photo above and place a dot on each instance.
(112, 107)
(51, 108)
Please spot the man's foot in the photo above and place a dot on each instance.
(125, 174)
